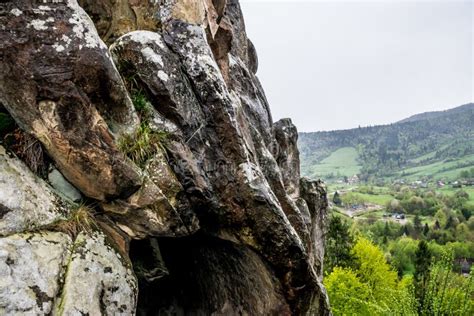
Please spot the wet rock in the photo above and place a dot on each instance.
(30, 272)
(26, 202)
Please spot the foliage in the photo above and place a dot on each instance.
(29, 150)
(428, 147)
(371, 288)
(448, 293)
(143, 144)
(142, 105)
(81, 219)
(347, 293)
(337, 199)
(339, 243)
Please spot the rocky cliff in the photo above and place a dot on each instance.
(141, 171)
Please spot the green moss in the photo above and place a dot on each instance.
(142, 105)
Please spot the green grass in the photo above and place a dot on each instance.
(143, 144)
(379, 199)
(342, 162)
(438, 170)
(452, 191)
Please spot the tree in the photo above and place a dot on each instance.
(426, 229)
(422, 265)
(417, 224)
(337, 199)
(339, 243)
(347, 293)
(371, 288)
(448, 293)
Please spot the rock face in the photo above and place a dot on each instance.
(213, 208)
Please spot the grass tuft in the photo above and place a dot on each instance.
(143, 144)
(80, 220)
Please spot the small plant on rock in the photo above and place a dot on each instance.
(81, 219)
(143, 144)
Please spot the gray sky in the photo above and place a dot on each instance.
(334, 65)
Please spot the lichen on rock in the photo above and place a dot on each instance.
(219, 198)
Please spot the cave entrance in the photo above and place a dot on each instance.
(201, 275)
(175, 274)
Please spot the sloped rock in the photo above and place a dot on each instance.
(315, 195)
(26, 202)
(72, 98)
(63, 186)
(223, 196)
(229, 133)
(287, 155)
(30, 272)
(98, 280)
(114, 18)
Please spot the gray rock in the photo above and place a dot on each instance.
(98, 280)
(26, 202)
(226, 169)
(61, 185)
(30, 271)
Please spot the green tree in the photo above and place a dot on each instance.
(422, 265)
(448, 293)
(371, 288)
(339, 242)
(337, 199)
(426, 229)
(347, 293)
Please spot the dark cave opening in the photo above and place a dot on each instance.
(201, 275)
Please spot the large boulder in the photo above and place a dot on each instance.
(31, 266)
(26, 202)
(98, 280)
(219, 219)
(72, 98)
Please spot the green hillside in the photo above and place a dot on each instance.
(433, 145)
(342, 162)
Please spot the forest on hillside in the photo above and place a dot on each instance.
(385, 150)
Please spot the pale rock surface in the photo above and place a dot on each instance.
(26, 202)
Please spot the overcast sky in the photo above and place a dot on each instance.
(334, 65)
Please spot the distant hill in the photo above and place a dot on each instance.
(433, 145)
(435, 114)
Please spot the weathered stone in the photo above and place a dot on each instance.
(63, 186)
(226, 169)
(114, 18)
(97, 281)
(287, 155)
(30, 272)
(26, 202)
(72, 98)
(149, 212)
(315, 195)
